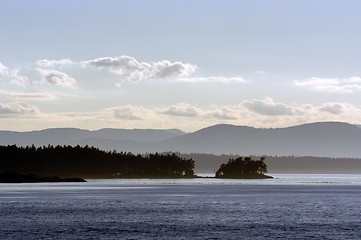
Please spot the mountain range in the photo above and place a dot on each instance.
(323, 139)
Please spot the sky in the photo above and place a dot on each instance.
(181, 64)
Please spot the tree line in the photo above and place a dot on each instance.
(91, 162)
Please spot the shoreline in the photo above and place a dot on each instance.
(11, 177)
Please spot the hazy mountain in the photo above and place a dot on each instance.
(328, 139)
(74, 136)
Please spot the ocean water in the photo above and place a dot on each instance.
(289, 207)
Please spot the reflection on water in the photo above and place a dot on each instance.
(290, 206)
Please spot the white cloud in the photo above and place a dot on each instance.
(132, 70)
(213, 79)
(315, 82)
(353, 80)
(126, 112)
(12, 76)
(23, 96)
(335, 85)
(17, 79)
(3, 70)
(338, 108)
(54, 63)
(182, 109)
(125, 66)
(186, 110)
(52, 77)
(223, 114)
(17, 108)
(268, 107)
(334, 108)
(167, 69)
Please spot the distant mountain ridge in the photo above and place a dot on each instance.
(324, 139)
(74, 136)
(328, 139)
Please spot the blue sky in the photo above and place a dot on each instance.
(178, 64)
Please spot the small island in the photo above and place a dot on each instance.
(11, 177)
(246, 168)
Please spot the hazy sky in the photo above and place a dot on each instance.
(178, 64)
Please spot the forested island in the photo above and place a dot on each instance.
(90, 162)
(243, 168)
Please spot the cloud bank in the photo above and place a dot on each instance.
(26, 96)
(258, 113)
(213, 79)
(334, 85)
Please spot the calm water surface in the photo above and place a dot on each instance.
(289, 207)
